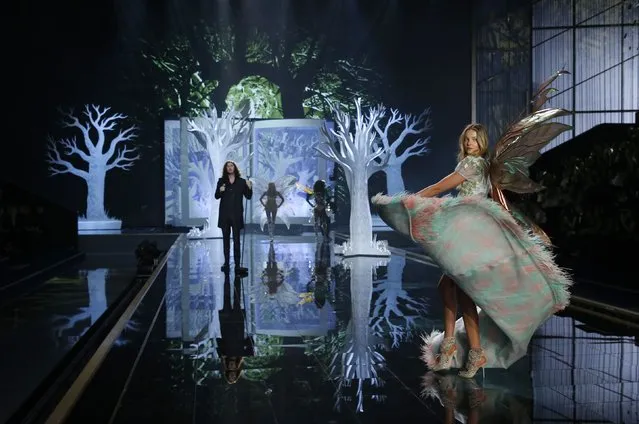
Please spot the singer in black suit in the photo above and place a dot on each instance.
(230, 189)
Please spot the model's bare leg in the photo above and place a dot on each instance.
(448, 291)
(476, 358)
(471, 318)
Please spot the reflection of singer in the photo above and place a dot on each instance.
(230, 189)
(270, 206)
(233, 346)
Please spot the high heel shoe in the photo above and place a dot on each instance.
(476, 360)
(447, 352)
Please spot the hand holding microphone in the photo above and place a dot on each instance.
(222, 188)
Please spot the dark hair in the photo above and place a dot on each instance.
(271, 190)
(319, 186)
(237, 172)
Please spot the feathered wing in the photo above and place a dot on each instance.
(519, 147)
(286, 185)
(259, 187)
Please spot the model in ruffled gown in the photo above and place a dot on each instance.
(493, 259)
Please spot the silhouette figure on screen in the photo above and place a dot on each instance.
(271, 206)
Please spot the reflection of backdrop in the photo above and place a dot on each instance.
(281, 310)
(195, 151)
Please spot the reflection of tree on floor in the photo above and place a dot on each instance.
(357, 358)
(96, 285)
(394, 310)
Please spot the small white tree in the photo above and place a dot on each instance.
(224, 138)
(100, 154)
(413, 125)
(357, 152)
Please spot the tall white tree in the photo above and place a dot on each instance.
(357, 150)
(224, 138)
(412, 126)
(96, 150)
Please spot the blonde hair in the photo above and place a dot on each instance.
(482, 140)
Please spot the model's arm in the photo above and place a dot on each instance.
(219, 191)
(447, 183)
(248, 189)
(308, 200)
(281, 198)
(262, 199)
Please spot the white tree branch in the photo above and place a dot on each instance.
(417, 149)
(61, 166)
(123, 161)
(69, 120)
(123, 136)
(71, 148)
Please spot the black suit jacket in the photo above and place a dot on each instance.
(231, 203)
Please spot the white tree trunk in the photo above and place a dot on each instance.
(95, 192)
(361, 223)
(96, 282)
(394, 180)
(217, 157)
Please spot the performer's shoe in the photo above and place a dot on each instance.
(240, 270)
(447, 351)
(476, 361)
(225, 267)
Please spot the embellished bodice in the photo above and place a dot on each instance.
(475, 170)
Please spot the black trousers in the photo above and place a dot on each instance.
(226, 238)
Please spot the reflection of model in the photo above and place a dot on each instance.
(320, 280)
(234, 345)
(230, 189)
(465, 401)
(271, 206)
(320, 208)
(272, 276)
(489, 259)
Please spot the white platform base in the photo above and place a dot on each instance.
(111, 224)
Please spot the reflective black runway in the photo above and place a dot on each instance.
(312, 337)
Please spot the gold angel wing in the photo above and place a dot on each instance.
(520, 146)
(541, 96)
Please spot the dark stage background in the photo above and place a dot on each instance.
(406, 55)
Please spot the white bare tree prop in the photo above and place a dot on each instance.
(413, 125)
(100, 155)
(357, 152)
(359, 360)
(395, 311)
(224, 138)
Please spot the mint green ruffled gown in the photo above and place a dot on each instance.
(508, 272)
